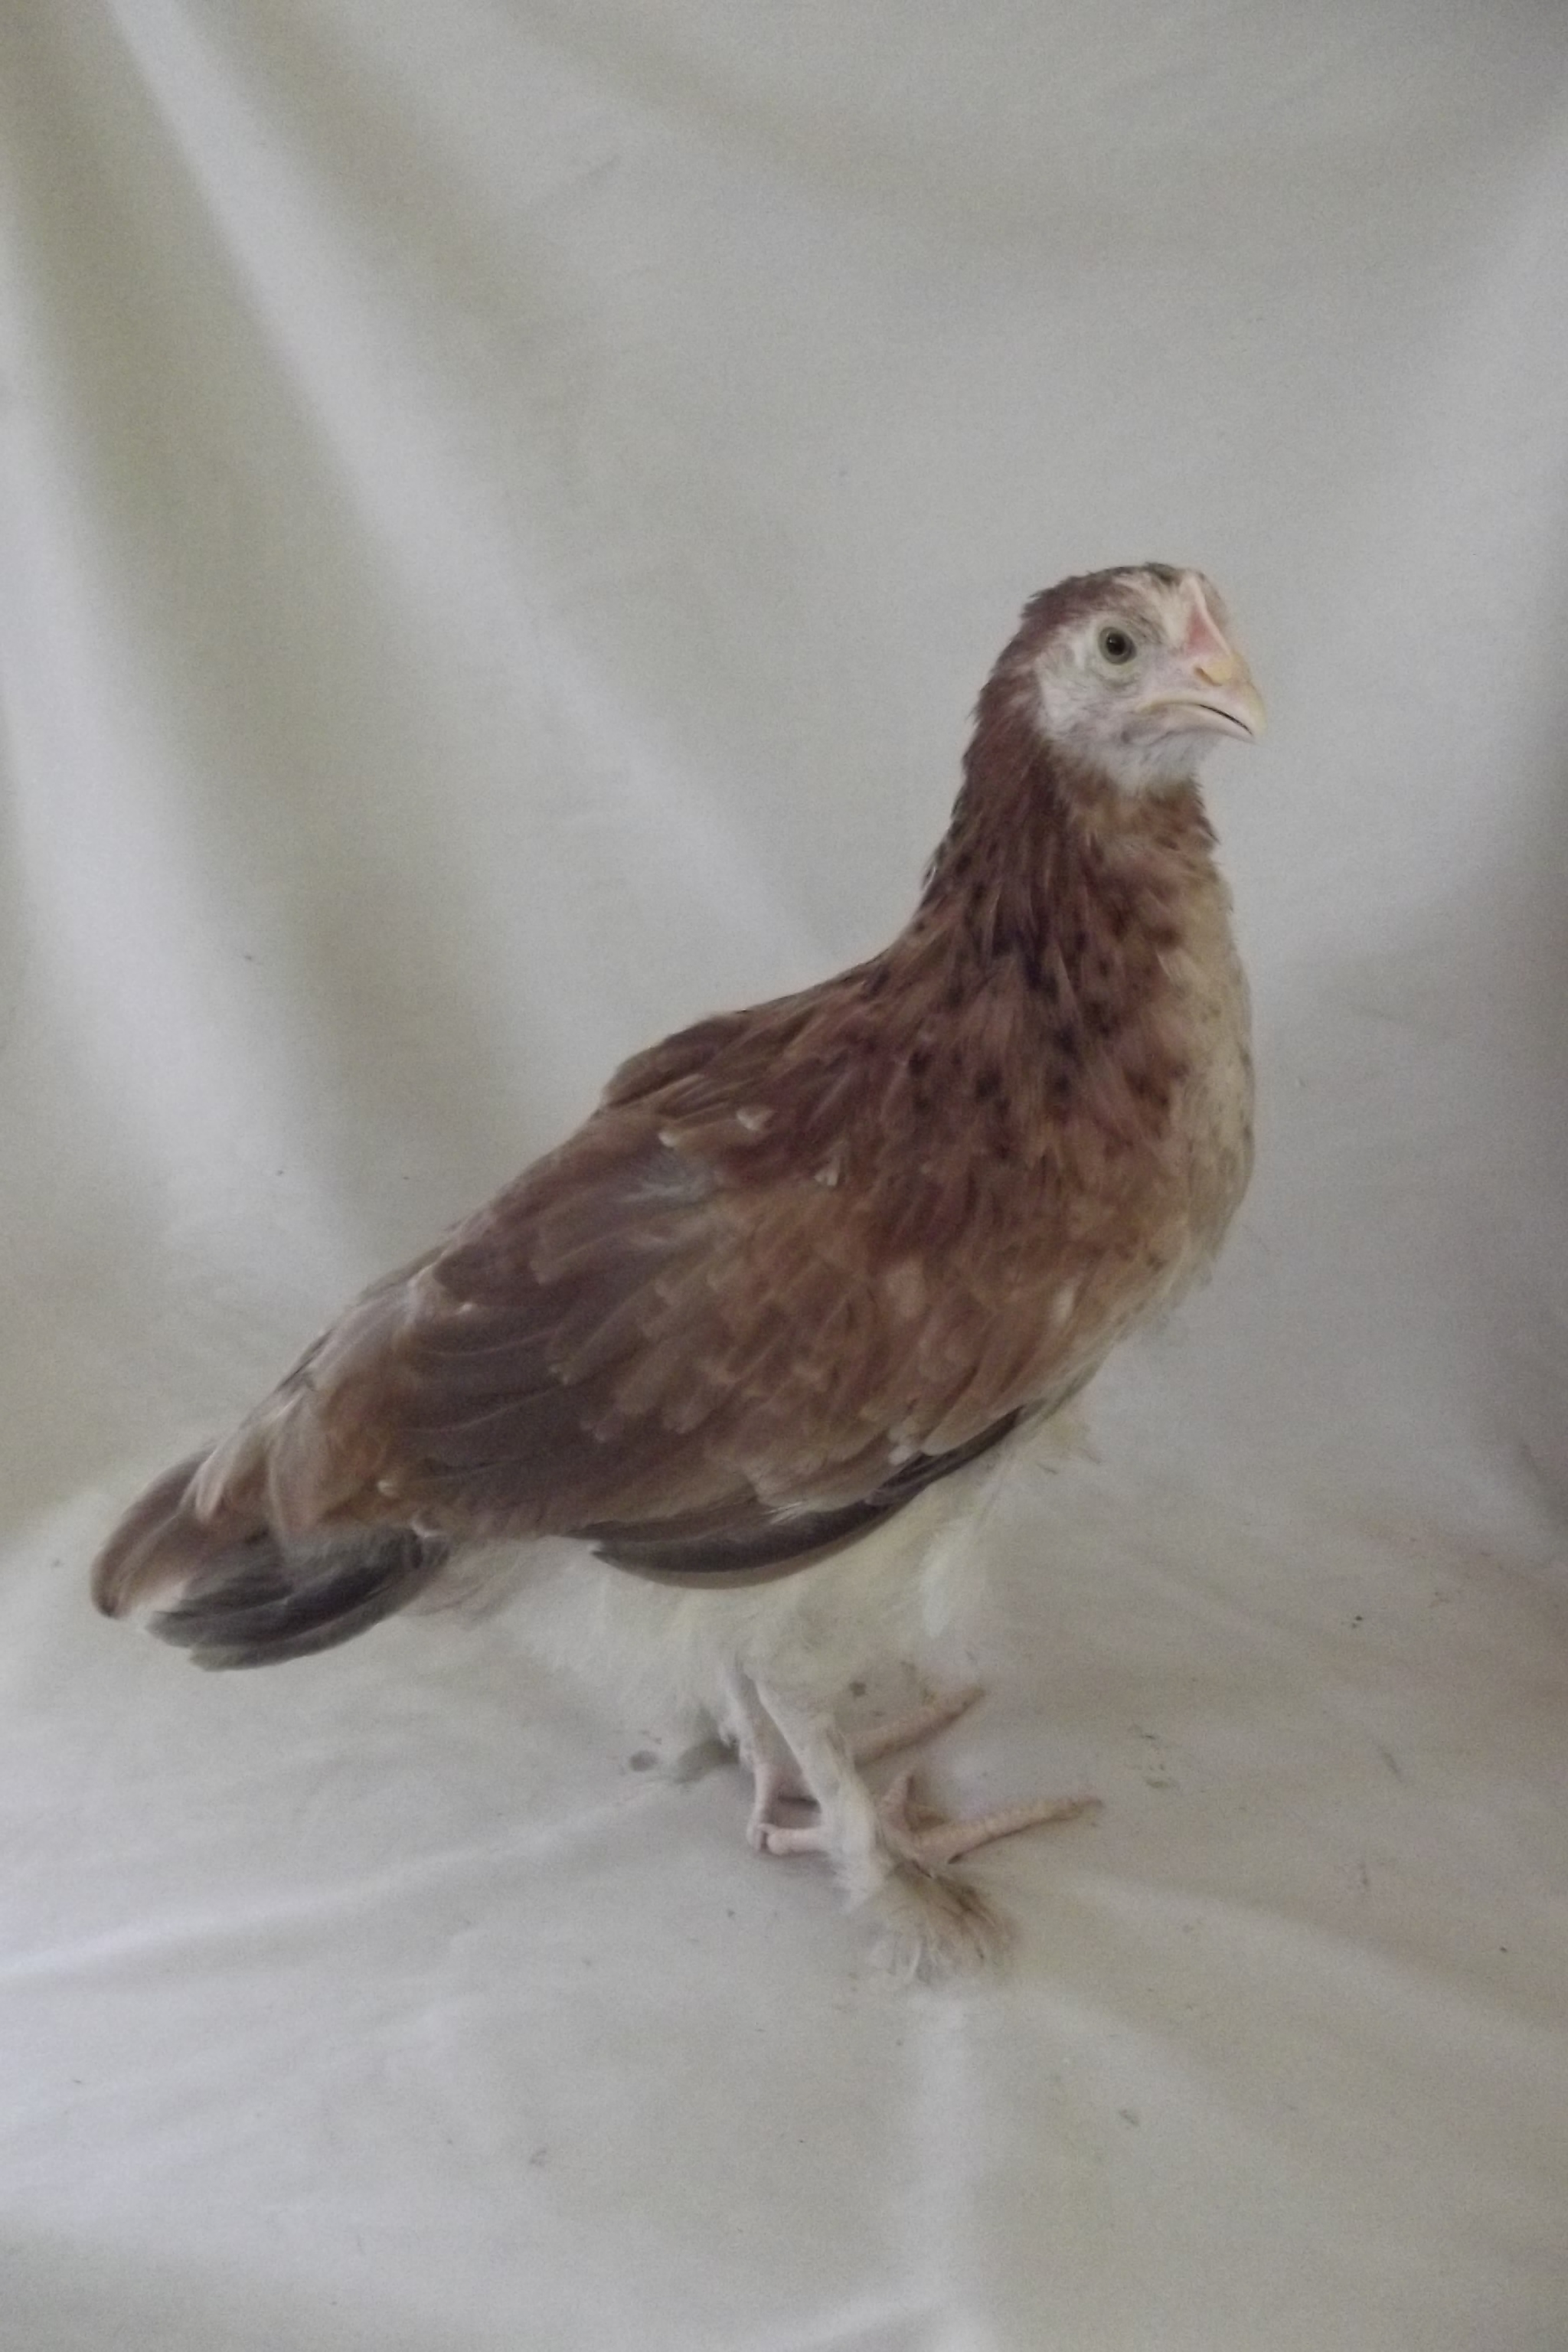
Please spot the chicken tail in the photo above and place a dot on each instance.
(248, 1597)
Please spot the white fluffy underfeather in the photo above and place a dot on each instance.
(665, 1655)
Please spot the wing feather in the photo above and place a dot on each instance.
(713, 1330)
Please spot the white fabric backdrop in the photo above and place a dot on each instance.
(507, 504)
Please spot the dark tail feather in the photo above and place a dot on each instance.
(246, 1597)
(262, 1602)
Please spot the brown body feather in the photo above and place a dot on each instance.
(804, 1255)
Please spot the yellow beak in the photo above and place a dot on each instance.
(1221, 697)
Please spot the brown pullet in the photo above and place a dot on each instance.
(776, 1303)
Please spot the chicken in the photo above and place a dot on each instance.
(756, 1336)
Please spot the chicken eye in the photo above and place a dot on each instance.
(1117, 646)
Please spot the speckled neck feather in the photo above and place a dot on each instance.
(1032, 983)
(1051, 879)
